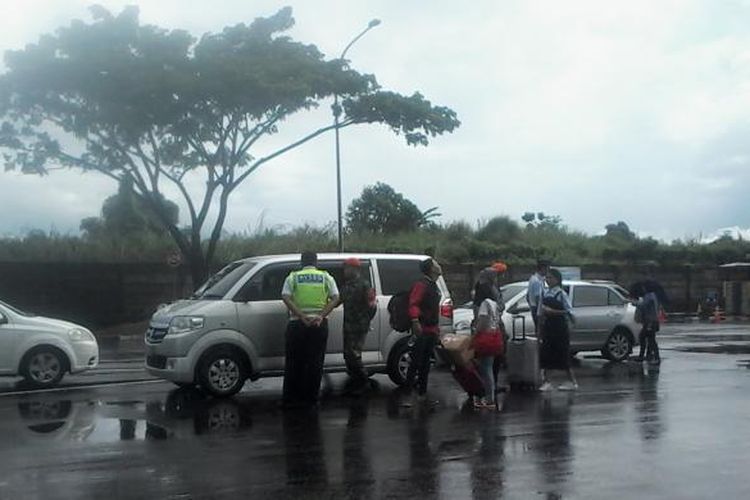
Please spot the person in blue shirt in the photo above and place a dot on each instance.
(535, 290)
(555, 311)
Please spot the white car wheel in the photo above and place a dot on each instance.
(44, 366)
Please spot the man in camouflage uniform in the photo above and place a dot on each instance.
(355, 296)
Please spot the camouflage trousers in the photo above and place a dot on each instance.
(354, 341)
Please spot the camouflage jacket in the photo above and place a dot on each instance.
(356, 307)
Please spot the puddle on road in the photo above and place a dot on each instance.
(43, 420)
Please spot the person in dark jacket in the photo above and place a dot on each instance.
(424, 311)
(647, 314)
(355, 295)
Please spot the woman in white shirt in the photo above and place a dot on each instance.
(487, 342)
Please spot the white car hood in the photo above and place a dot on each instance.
(49, 324)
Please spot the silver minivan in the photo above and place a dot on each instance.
(233, 327)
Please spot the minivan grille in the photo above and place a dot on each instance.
(159, 362)
(155, 335)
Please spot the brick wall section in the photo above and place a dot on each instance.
(103, 294)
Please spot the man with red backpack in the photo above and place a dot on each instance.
(424, 312)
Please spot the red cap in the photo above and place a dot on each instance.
(353, 262)
(499, 267)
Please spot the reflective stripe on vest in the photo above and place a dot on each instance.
(310, 289)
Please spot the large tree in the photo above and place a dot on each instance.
(151, 105)
(126, 215)
(380, 209)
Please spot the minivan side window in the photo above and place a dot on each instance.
(590, 296)
(336, 269)
(398, 275)
(266, 284)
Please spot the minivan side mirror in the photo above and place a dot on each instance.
(3, 319)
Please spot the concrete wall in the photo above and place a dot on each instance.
(91, 294)
(101, 294)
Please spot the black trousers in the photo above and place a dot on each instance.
(649, 347)
(303, 369)
(419, 367)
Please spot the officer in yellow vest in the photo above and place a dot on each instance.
(310, 294)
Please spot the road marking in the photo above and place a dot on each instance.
(79, 387)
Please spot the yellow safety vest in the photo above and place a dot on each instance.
(310, 289)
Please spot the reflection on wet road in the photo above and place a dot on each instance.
(674, 431)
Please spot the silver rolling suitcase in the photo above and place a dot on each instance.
(522, 359)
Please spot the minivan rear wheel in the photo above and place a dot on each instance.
(222, 372)
(399, 361)
(619, 345)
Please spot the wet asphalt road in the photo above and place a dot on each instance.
(677, 431)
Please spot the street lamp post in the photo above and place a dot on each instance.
(336, 114)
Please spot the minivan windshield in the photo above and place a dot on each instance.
(220, 283)
(16, 310)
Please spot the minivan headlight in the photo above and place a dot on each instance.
(185, 324)
(80, 335)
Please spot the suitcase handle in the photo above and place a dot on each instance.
(523, 327)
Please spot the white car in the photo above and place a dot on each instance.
(605, 317)
(43, 349)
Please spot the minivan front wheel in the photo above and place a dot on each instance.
(618, 346)
(399, 361)
(222, 372)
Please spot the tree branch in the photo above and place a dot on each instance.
(280, 152)
(252, 137)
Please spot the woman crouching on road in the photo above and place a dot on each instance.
(487, 342)
(555, 311)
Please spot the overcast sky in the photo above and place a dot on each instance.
(629, 110)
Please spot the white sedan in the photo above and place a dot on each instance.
(42, 350)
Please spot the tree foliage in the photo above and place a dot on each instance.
(541, 220)
(499, 229)
(127, 215)
(380, 209)
(620, 230)
(154, 106)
